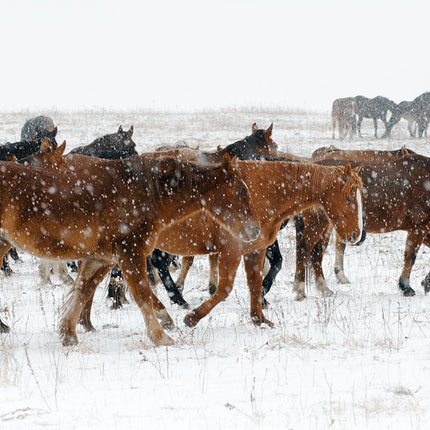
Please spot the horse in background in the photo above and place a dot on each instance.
(37, 128)
(376, 108)
(111, 146)
(343, 117)
(24, 148)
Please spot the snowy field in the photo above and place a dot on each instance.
(359, 359)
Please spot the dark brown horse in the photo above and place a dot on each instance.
(75, 215)
(396, 197)
(111, 146)
(279, 189)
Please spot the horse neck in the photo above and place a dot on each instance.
(297, 186)
(179, 194)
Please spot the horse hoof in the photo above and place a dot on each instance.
(264, 303)
(212, 289)
(260, 320)
(70, 341)
(165, 319)
(300, 297)
(408, 292)
(190, 319)
(426, 283)
(163, 340)
(4, 328)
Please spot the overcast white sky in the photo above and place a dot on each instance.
(190, 54)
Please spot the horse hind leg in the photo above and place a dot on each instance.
(60, 269)
(413, 243)
(91, 273)
(187, 262)
(133, 267)
(4, 248)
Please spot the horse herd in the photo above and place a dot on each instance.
(348, 113)
(112, 207)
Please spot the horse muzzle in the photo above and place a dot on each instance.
(249, 233)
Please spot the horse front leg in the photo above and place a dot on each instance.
(133, 266)
(311, 228)
(254, 273)
(91, 273)
(315, 260)
(228, 264)
(338, 262)
(4, 248)
(413, 243)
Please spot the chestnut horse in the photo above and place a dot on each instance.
(111, 212)
(396, 197)
(279, 189)
(258, 145)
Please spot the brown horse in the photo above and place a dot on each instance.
(396, 197)
(360, 156)
(279, 189)
(107, 212)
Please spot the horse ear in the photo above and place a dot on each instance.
(46, 143)
(120, 129)
(62, 148)
(254, 127)
(347, 170)
(54, 132)
(226, 162)
(130, 132)
(358, 169)
(268, 132)
(404, 150)
(12, 158)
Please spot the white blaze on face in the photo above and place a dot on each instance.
(360, 215)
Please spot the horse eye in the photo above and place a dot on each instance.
(350, 199)
(240, 192)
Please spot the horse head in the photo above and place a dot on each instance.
(258, 144)
(344, 204)
(48, 157)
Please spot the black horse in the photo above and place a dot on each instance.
(375, 109)
(36, 128)
(24, 148)
(111, 146)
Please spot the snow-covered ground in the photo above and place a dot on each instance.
(359, 359)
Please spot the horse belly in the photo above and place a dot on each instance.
(199, 235)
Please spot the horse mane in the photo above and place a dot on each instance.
(324, 177)
(165, 175)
